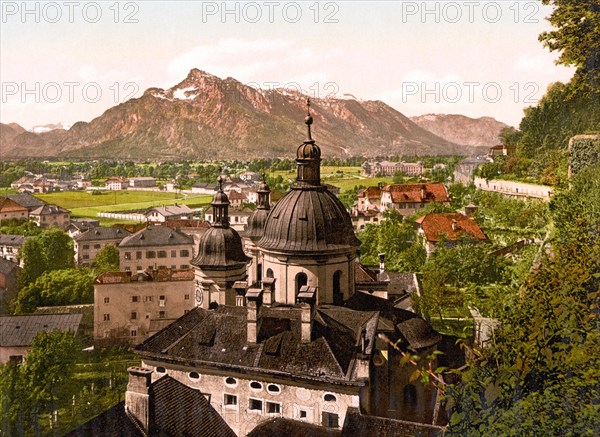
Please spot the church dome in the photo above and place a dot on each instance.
(220, 247)
(308, 151)
(256, 224)
(308, 220)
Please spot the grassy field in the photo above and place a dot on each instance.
(84, 204)
(345, 178)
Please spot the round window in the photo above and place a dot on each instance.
(255, 385)
(160, 370)
(194, 376)
(329, 398)
(272, 388)
(230, 381)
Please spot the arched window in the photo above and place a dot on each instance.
(301, 279)
(269, 273)
(338, 295)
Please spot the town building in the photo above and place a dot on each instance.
(9, 284)
(92, 241)
(10, 247)
(117, 183)
(156, 246)
(369, 199)
(409, 198)
(194, 228)
(78, 226)
(164, 213)
(387, 168)
(465, 170)
(447, 227)
(17, 332)
(238, 218)
(204, 188)
(48, 216)
(11, 210)
(129, 307)
(142, 182)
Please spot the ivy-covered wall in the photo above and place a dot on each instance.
(584, 151)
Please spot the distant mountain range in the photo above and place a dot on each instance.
(205, 117)
(459, 129)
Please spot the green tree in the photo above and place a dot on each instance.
(34, 261)
(576, 36)
(56, 287)
(58, 249)
(107, 259)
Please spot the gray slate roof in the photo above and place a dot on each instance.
(50, 209)
(12, 240)
(218, 337)
(156, 235)
(7, 267)
(177, 411)
(101, 233)
(21, 330)
(27, 200)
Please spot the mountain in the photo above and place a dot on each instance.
(205, 117)
(459, 129)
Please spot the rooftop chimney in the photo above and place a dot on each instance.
(240, 288)
(423, 192)
(381, 263)
(254, 297)
(305, 322)
(268, 291)
(138, 396)
(454, 225)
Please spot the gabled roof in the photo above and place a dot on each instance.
(8, 205)
(102, 233)
(218, 338)
(171, 210)
(27, 200)
(452, 225)
(370, 192)
(417, 193)
(234, 195)
(50, 209)
(156, 235)
(187, 223)
(21, 330)
(177, 410)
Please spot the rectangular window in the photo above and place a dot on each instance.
(138, 268)
(150, 254)
(229, 400)
(173, 253)
(273, 408)
(147, 298)
(86, 256)
(106, 317)
(184, 266)
(330, 420)
(133, 315)
(161, 254)
(96, 246)
(127, 255)
(255, 405)
(138, 255)
(135, 299)
(186, 297)
(133, 333)
(86, 246)
(107, 300)
(162, 314)
(184, 252)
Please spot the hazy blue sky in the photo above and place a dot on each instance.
(72, 60)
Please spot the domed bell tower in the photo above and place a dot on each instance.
(221, 260)
(254, 232)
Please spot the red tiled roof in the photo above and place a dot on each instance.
(370, 193)
(433, 225)
(412, 193)
(234, 195)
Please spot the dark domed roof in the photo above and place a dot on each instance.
(220, 248)
(256, 224)
(308, 219)
(308, 150)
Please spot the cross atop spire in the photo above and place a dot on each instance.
(308, 120)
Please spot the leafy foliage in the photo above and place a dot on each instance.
(107, 259)
(541, 376)
(56, 287)
(585, 152)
